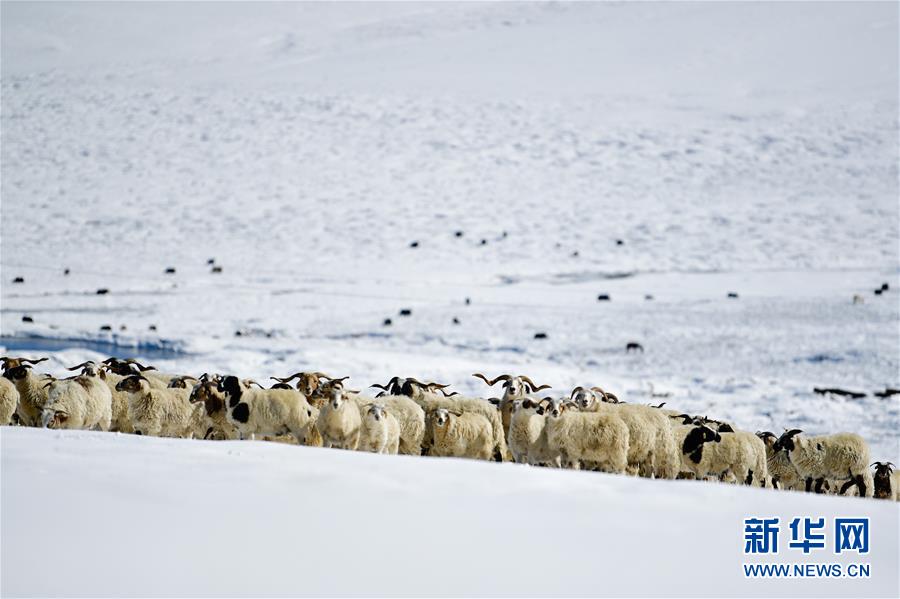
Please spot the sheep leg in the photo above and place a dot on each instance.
(749, 480)
(853, 481)
(775, 482)
(861, 485)
(809, 482)
(819, 484)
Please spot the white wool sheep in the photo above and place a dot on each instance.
(599, 438)
(340, 421)
(527, 438)
(409, 415)
(735, 456)
(80, 402)
(652, 450)
(158, 412)
(842, 457)
(9, 400)
(267, 411)
(781, 472)
(461, 435)
(31, 388)
(380, 432)
(430, 402)
(514, 387)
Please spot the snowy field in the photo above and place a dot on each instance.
(681, 151)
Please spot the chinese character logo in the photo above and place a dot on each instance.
(810, 536)
(761, 535)
(851, 534)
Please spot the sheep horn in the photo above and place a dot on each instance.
(82, 365)
(340, 380)
(252, 382)
(288, 379)
(321, 375)
(792, 432)
(534, 388)
(451, 394)
(30, 361)
(491, 383)
(432, 386)
(575, 390)
(382, 387)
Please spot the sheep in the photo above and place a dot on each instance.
(80, 402)
(599, 438)
(206, 393)
(527, 435)
(266, 411)
(9, 401)
(120, 421)
(32, 392)
(339, 420)
(781, 471)
(842, 456)
(310, 384)
(425, 396)
(697, 461)
(652, 450)
(514, 387)
(158, 412)
(886, 481)
(461, 435)
(380, 431)
(409, 415)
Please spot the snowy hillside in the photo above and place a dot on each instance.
(494, 167)
(243, 518)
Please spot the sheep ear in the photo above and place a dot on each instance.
(494, 400)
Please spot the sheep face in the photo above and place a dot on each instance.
(308, 383)
(208, 393)
(441, 417)
(133, 384)
(768, 438)
(179, 382)
(787, 442)
(54, 418)
(693, 442)
(376, 413)
(556, 407)
(584, 398)
(17, 373)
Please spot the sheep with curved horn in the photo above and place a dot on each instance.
(514, 387)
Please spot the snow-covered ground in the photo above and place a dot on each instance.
(117, 515)
(731, 147)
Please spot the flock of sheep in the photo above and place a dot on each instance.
(587, 429)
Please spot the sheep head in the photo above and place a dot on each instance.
(134, 383)
(786, 441)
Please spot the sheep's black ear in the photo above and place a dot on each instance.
(540, 410)
(726, 428)
(495, 401)
(792, 432)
